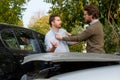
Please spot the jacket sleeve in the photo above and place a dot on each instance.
(82, 36)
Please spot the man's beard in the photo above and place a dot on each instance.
(59, 26)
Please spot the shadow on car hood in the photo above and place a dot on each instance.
(72, 56)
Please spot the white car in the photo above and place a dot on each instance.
(74, 66)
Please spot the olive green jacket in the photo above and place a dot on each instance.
(94, 36)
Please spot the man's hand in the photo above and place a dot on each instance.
(58, 36)
(54, 44)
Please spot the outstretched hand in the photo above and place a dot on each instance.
(54, 44)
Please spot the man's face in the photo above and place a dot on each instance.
(57, 22)
(87, 18)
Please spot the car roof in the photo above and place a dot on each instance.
(12, 26)
(71, 57)
(6, 26)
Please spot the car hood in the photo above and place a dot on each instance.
(71, 56)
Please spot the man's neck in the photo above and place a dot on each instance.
(55, 29)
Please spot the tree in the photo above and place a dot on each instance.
(109, 11)
(41, 25)
(11, 11)
(71, 12)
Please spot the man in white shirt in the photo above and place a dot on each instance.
(52, 44)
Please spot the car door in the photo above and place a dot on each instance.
(13, 49)
(11, 39)
(10, 43)
(9, 67)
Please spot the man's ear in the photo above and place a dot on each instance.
(52, 22)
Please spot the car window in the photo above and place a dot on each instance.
(9, 39)
(41, 41)
(27, 40)
(20, 39)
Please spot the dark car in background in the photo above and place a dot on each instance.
(13, 50)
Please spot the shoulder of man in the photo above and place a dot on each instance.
(62, 29)
(49, 32)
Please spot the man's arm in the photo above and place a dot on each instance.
(52, 49)
(54, 46)
(80, 37)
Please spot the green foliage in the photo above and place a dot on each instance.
(71, 12)
(109, 11)
(41, 25)
(20, 23)
(11, 11)
(112, 44)
(76, 47)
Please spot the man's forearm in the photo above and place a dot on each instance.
(71, 38)
(52, 49)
